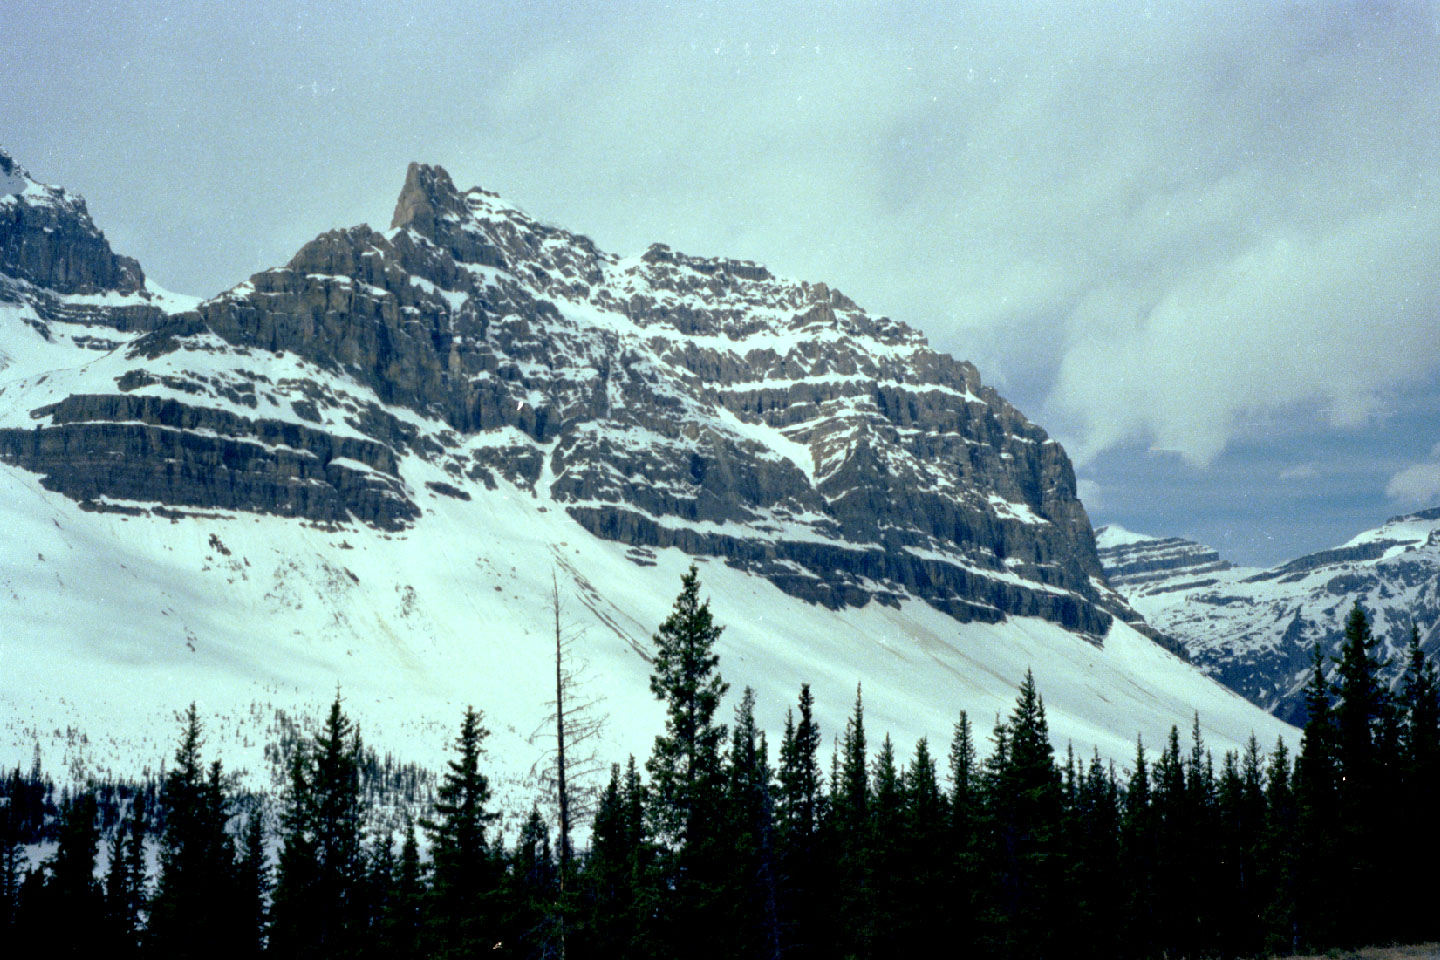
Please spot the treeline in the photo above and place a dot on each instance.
(711, 849)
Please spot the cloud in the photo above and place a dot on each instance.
(1419, 483)
(1166, 224)
(1301, 471)
(1090, 493)
(1163, 223)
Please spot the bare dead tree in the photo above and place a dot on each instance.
(571, 764)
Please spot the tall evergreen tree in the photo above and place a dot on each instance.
(960, 849)
(533, 924)
(920, 861)
(125, 886)
(465, 914)
(401, 925)
(12, 859)
(319, 902)
(799, 810)
(70, 889)
(1419, 783)
(619, 873)
(1278, 854)
(252, 887)
(194, 889)
(1138, 856)
(1026, 800)
(750, 902)
(1317, 896)
(686, 777)
(848, 838)
(1360, 717)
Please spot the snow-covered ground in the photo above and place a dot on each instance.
(112, 623)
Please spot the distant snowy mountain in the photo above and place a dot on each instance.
(363, 468)
(1254, 629)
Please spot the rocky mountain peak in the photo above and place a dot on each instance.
(428, 194)
(48, 240)
(660, 401)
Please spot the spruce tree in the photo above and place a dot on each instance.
(194, 890)
(1317, 895)
(960, 848)
(1027, 792)
(849, 838)
(125, 886)
(12, 859)
(885, 836)
(1278, 855)
(318, 906)
(252, 887)
(920, 860)
(1419, 779)
(1139, 855)
(686, 776)
(749, 909)
(465, 915)
(799, 811)
(401, 925)
(70, 890)
(1360, 717)
(532, 926)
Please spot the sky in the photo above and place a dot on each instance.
(1197, 242)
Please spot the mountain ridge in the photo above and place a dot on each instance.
(1254, 629)
(334, 471)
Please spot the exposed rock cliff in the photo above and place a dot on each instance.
(660, 400)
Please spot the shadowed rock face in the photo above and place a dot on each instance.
(48, 239)
(662, 400)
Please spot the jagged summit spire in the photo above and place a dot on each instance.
(13, 177)
(428, 192)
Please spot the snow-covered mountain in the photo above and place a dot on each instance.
(363, 468)
(1255, 629)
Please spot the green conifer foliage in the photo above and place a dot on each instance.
(195, 888)
(319, 902)
(464, 911)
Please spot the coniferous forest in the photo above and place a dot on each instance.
(715, 846)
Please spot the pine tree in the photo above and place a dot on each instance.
(799, 810)
(885, 836)
(70, 889)
(1359, 719)
(750, 921)
(318, 905)
(252, 887)
(533, 928)
(1419, 781)
(1317, 897)
(12, 859)
(686, 777)
(125, 886)
(1027, 794)
(960, 848)
(920, 860)
(685, 764)
(1278, 856)
(1139, 855)
(401, 926)
(464, 913)
(619, 872)
(195, 883)
(849, 839)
